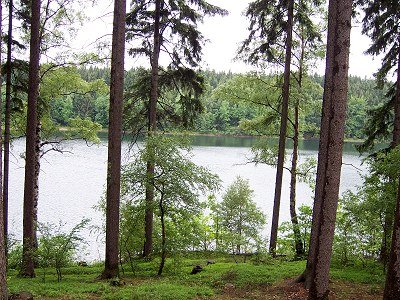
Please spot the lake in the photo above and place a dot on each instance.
(71, 184)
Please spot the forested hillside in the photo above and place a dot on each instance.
(223, 109)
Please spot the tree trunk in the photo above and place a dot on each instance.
(163, 238)
(7, 116)
(384, 249)
(114, 141)
(283, 129)
(299, 248)
(152, 126)
(27, 269)
(392, 285)
(396, 124)
(330, 148)
(3, 257)
(148, 221)
(36, 184)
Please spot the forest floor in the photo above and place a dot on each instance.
(221, 280)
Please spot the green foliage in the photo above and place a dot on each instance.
(57, 247)
(364, 219)
(178, 104)
(267, 33)
(83, 129)
(178, 183)
(240, 220)
(286, 240)
(181, 39)
(217, 102)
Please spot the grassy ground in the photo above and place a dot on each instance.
(222, 280)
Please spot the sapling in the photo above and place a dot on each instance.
(57, 246)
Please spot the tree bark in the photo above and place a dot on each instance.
(27, 269)
(299, 248)
(152, 127)
(7, 116)
(396, 124)
(330, 148)
(36, 184)
(3, 257)
(283, 129)
(392, 284)
(114, 141)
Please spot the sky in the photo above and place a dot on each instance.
(224, 35)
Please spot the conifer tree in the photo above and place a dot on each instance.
(381, 23)
(7, 116)
(114, 141)
(3, 258)
(27, 268)
(273, 24)
(330, 149)
(168, 27)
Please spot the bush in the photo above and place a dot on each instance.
(56, 247)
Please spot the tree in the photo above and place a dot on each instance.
(169, 26)
(178, 184)
(381, 24)
(240, 219)
(268, 31)
(3, 257)
(274, 12)
(56, 15)
(27, 269)
(57, 247)
(7, 116)
(114, 141)
(330, 148)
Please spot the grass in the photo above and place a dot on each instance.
(247, 279)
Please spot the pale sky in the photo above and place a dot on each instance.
(224, 35)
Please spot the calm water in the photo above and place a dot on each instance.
(71, 184)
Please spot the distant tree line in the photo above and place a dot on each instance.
(224, 113)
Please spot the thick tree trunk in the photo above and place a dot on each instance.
(7, 116)
(152, 126)
(3, 257)
(114, 141)
(283, 129)
(299, 248)
(392, 285)
(330, 148)
(27, 269)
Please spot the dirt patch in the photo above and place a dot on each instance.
(287, 290)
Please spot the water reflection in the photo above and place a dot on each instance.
(248, 142)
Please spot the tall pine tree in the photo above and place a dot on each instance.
(27, 268)
(171, 28)
(274, 23)
(330, 148)
(114, 141)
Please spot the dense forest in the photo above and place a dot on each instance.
(166, 218)
(223, 110)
